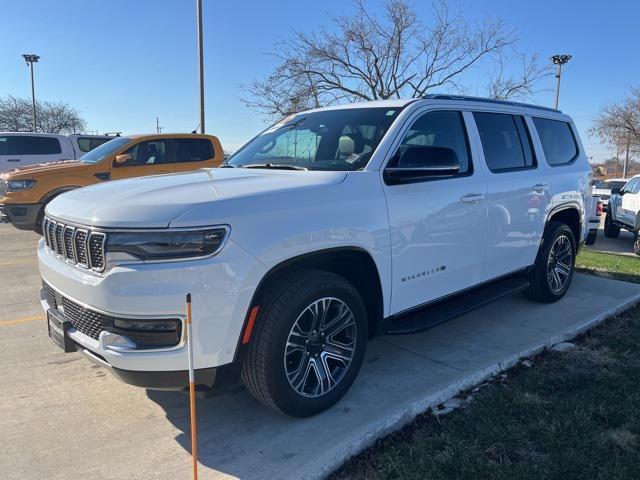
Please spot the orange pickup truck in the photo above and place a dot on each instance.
(24, 192)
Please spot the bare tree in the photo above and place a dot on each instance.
(365, 57)
(52, 117)
(524, 84)
(618, 125)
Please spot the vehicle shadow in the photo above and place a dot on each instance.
(234, 430)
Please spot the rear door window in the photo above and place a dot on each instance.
(29, 145)
(505, 141)
(192, 150)
(558, 142)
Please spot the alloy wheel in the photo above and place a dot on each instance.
(559, 264)
(320, 347)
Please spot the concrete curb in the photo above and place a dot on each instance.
(404, 414)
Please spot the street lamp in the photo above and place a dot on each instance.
(200, 64)
(30, 58)
(559, 60)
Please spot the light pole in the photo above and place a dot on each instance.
(559, 60)
(200, 64)
(30, 58)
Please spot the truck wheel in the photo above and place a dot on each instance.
(591, 237)
(307, 345)
(611, 230)
(551, 275)
(636, 243)
(40, 219)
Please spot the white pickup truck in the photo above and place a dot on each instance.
(19, 149)
(330, 227)
(624, 211)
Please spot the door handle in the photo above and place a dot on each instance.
(538, 187)
(472, 198)
(13, 159)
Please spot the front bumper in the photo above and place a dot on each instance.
(221, 289)
(22, 216)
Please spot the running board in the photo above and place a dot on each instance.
(443, 310)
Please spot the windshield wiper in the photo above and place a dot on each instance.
(275, 166)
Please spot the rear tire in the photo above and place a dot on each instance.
(591, 237)
(611, 230)
(551, 275)
(299, 361)
(636, 243)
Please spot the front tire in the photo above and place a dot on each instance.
(591, 237)
(636, 243)
(552, 273)
(611, 230)
(307, 345)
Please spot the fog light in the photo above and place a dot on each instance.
(147, 325)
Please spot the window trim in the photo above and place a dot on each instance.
(534, 157)
(403, 133)
(573, 136)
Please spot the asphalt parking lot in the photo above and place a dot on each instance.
(62, 417)
(623, 245)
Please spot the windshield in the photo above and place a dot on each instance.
(99, 153)
(611, 184)
(341, 139)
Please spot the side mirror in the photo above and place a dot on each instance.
(418, 162)
(616, 191)
(121, 159)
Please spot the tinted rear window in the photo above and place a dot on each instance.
(505, 141)
(86, 144)
(193, 150)
(558, 143)
(612, 184)
(29, 145)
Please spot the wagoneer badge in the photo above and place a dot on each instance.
(424, 273)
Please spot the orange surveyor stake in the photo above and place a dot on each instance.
(192, 393)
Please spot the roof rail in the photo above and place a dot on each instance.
(438, 96)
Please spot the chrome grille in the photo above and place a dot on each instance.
(59, 232)
(80, 244)
(96, 250)
(76, 245)
(68, 242)
(3, 188)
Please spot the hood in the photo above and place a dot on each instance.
(24, 173)
(153, 202)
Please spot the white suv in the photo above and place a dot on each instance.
(624, 211)
(330, 227)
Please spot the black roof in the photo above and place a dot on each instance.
(438, 96)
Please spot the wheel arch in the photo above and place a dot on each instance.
(355, 264)
(569, 214)
(51, 194)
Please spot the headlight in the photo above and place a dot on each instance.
(16, 185)
(164, 245)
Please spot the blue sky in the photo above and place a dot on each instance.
(122, 63)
